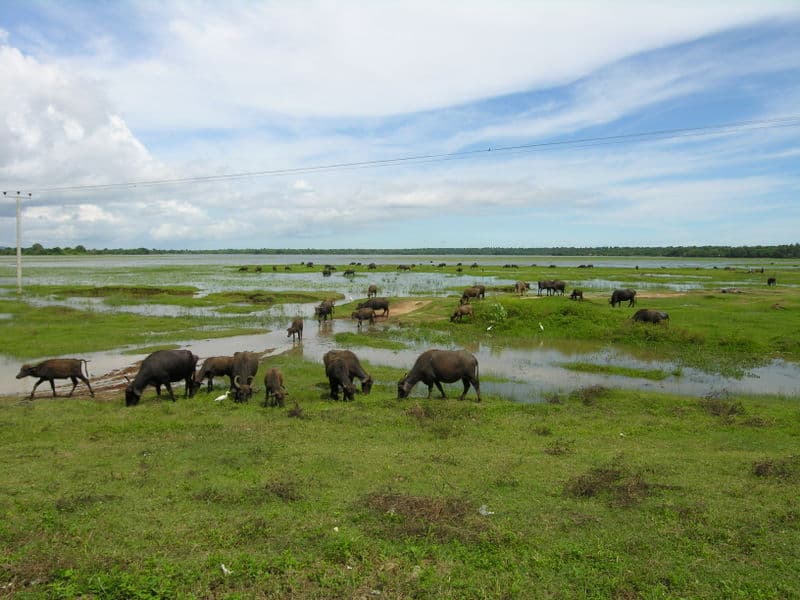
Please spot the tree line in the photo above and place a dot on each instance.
(779, 251)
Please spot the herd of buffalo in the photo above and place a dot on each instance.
(432, 367)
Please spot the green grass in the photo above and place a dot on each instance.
(584, 367)
(607, 494)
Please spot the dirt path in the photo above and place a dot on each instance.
(406, 306)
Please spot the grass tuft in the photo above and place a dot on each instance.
(618, 483)
(590, 394)
(785, 469)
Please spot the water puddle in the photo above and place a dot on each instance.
(529, 373)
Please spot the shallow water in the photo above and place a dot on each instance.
(531, 372)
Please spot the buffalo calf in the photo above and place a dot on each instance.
(56, 368)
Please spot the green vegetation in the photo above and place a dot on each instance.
(584, 367)
(605, 494)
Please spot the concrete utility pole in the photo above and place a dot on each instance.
(19, 240)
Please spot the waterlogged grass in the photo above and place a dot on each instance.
(376, 340)
(605, 494)
(652, 374)
(57, 330)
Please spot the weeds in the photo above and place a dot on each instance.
(618, 483)
(560, 447)
(784, 469)
(589, 395)
(717, 404)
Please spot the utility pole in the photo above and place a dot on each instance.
(19, 239)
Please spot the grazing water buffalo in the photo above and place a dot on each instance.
(376, 304)
(339, 377)
(619, 296)
(364, 314)
(354, 368)
(544, 284)
(648, 315)
(274, 392)
(576, 295)
(349, 273)
(57, 368)
(214, 366)
(296, 328)
(162, 368)
(433, 367)
(372, 291)
(245, 367)
(772, 281)
(461, 311)
(470, 292)
(521, 287)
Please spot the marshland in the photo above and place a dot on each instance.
(608, 458)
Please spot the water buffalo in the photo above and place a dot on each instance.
(559, 287)
(470, 292)
(274, 392)
(648, 315)
(354, 368)
(364, 314)
(162, 368)
(324, 310)
(245, 367)
(544, 284)
(376, 304)
(214, 366)
(461, 311)
(576, 295)
(372, 266)
(435, 366)
(372, 291)
(57, 368)
(521, 287)
(772, 281)
(481, 290)
(619, 296)
(296, 328)
(349, 273)
(339, 377)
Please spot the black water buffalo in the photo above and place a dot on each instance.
(559, 287)
(57, 368)
(363, 314)
(772, 281)
(274, 392)
(376, 304)
(162, 368)
(544, 284)
(354, 368)
(470, 292)
(214, 366)
(433, 367)
(461, 311)
(339, 377)
(245, 367)
(296, 328)
(349, 273)
(372, 291)
(648, 315)
(521, 287)
(619, 296)
(576, 295)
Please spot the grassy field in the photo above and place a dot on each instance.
(600, 493)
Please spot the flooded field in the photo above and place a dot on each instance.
(525, 373)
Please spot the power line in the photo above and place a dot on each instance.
(676, 133)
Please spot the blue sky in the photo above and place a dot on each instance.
(102, 93)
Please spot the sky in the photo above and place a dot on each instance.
(355, 124)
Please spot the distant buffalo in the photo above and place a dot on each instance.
(324, 310)
(296, 328)
(364, 314)
(372, 291)
(620, 296)
(772, 281)
(521, 287)
(576, 295)
(56, 368)
(433, 367)
(648, 315)
(461, 311)
(376, 304)
(470, 292)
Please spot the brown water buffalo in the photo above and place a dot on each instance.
(364, 314)
(274, 392)
(296, 328)
(433, 367)
(544, 284)
(354, 368)
(324, 311)
(57, 368)
(372, 291)
(214, 366)
(772, 281)
(648, 315)
(162, 368)
(245, 367)
(461, 311)
(576, 294)
(559, 287)
(470, 292)
(376, 304)
(521, 287)
(620, 296)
